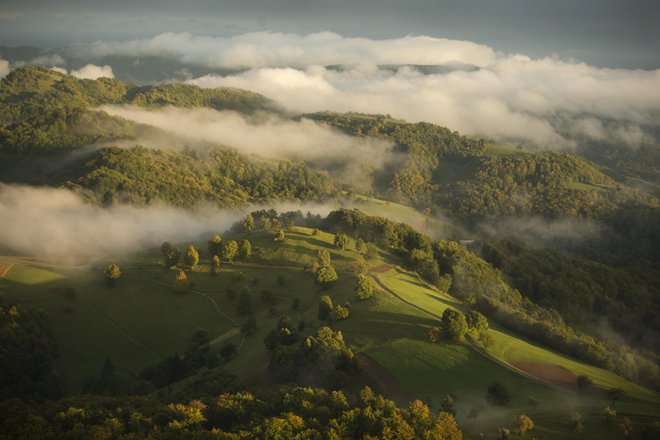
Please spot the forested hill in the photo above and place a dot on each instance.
(42, 110)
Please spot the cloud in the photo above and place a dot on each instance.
(46, 222)
(541, 232)
(514, 98)
(270, 136)
(91, 71)
(271, 49)
(4, 68)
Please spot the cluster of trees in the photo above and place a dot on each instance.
(287, 413)
(331, 313)
(478, 284)
(27, 363)
(454, 325)
(324, 274)
(584, 290)
(323, 355)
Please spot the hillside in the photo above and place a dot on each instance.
(142, 320)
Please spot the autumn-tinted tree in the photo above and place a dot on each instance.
(339, 313)
(433, 334)
(326, 275)
(112, 274)
(248, 224)
(230, 250)
(245, 249)
(325, 308)
(181, 282)
(523, 423)
(214, 245)
(192, 257)
(215, 265)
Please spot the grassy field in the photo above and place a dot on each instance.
(142, 319)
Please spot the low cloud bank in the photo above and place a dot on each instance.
(541, 232)
(57, 223)
(269, 136)
(91, 71)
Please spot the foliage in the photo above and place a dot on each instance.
(230, 250)
(326, 275)
(453, 324)
(215, 265)
(498, 394)
(476, 321)
(523, 423)
(191, 258)
(583, 382)
(214, 246)
(341, 241)
(112, 274)
(364, 288)
(28, 354)
(245, 249)
(181, 284)
(248, 224)
(325, 308)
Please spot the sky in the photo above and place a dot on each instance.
(605, 33)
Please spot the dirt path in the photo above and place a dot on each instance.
(389, 384)
(4, 268)
(230, 334)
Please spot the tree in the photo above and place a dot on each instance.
(215, 265)
(228, 351)
(476, 321)
(433, 334)
(364, 289)
(523, 423)
(264, 223)
(245, 249)
(248, 224)
(339, 313)
(181, 282)
(325, 276)
(323, 257)
(315, 232)
(165, 248)
(214, 245)
(454, 324)
(533, 402)
(498, 394)
(341, 241)
(583, 382)
(230, 250)
(112, 274)
(280, 236)
(609, 414)
(575, 423)
(486, 339)
(192, 257)
(370, 251)
(358, 269)
(615, 394)
(359, 245)
(625, 426)
(173, 256)
(325, 308)
(447, 404)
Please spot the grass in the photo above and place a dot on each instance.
(141, 320)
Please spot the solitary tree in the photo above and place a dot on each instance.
(498, 394)
(476, 321)
(248, 224)
(341, 241)
(447, 404)
(323, 257)
(245, 249)
(523, 423)
(325, 308)
(583, 382)
(433, 334)
(364, 288)
(339, 312)
(325, 276)
(454, 324)
(181, 282)
(230, 250)
(112, 274)
(215, 265)
(215, 245)
(615, 394)
(280, 236)
(192, 257)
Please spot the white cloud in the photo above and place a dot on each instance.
(270, 49)
(513, 98)
(91, 71)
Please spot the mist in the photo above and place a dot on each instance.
(56, 223)
(350, 158)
